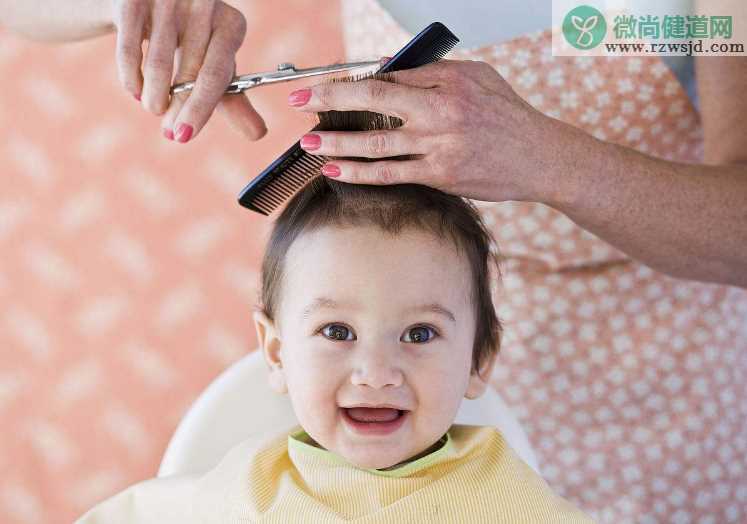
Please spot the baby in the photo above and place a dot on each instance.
(376, 318)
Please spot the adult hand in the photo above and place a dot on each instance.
(471, 133)
(196, 38)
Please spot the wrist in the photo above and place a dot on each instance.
(576, 167)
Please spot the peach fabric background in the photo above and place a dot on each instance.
(127, 269)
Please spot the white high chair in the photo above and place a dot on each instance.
(239, 403)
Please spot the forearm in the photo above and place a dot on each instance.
(685, 220)
(57, 20)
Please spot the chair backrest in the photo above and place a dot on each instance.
(239, 404)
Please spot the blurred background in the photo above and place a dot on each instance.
(127, 269)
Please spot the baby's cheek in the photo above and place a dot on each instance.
(314, 402)
(438, 403)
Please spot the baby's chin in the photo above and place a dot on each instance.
(374, 456)
(373, 460)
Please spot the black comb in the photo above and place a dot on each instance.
(294, 168)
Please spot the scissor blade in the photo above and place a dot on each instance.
(291, 73)
(243, 82)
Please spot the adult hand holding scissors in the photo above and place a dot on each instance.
(189, 40)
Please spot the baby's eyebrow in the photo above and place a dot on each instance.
(319, 303)
(434, 307)
(328, 303)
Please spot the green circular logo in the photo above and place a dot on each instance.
(584, 27)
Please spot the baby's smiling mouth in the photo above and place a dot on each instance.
(377, 419)
(366, 414)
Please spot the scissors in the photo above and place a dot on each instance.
(284, 73)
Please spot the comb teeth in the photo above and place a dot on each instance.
(284, 183)
(446, 46)
(295, 168)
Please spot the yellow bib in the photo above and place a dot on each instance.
(473, 477)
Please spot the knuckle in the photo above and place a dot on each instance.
(159, 63)
(129, 54)
(376, 143)
(433, 100)
(232, 25)
(323, 93)
(237, 22)
(188, 71)
(214, 77)
(385, 173)
(375, 89)
(446, 107)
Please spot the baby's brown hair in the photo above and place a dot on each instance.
(391, 208)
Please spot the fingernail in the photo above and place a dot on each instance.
(184, 133)
(168, 133)
(330, 170)
(311, 142)
(137, 97)
(299, 97)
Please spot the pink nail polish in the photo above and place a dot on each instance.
(184, 133)
(330, 170)
(299, 97)
(311, 142)
(137, 97)
(168, 133)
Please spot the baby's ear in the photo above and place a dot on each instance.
(269, 344)
(478, 382)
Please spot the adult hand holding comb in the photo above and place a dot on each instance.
(466, 129)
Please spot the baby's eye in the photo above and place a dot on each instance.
(419, 334)
(336, 332)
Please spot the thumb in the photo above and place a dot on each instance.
(242, 116)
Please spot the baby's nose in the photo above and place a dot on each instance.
(376, 371)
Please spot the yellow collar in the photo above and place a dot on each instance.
(299, 443)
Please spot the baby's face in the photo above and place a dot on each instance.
(373, 320)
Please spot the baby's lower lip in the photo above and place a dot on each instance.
(374, 428)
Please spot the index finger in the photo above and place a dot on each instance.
(212, 80)
(129, 51)
(379, 95)
(365, 95)
(434, 74)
